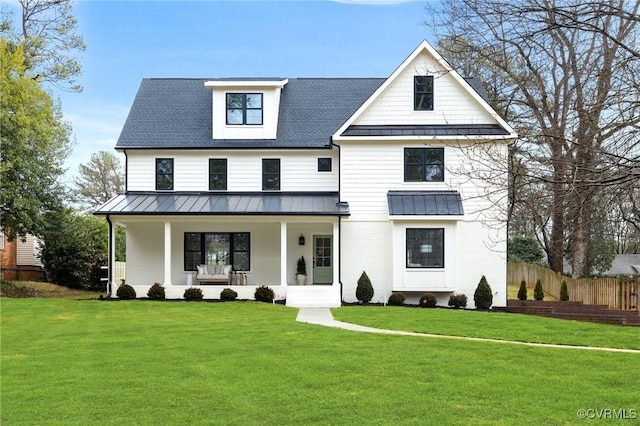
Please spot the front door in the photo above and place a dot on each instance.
(322, 259)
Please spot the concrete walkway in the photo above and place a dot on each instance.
(322, 316)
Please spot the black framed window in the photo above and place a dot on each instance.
(270, 174)
(164, 174)
(425, 247)
(324, 164)
(217, 174)
(423, 93)
(244, 108)
(217, 248)
(424, 164)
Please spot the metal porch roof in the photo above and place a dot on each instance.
(425, 203)
(291, 204)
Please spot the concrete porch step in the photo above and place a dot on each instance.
(314, 296)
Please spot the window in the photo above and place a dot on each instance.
(270, 174)
(244, 108)
(164, 174)
(324, 164)
(217, 174)
(423, 93)
(424, 164)
(425, 248)
(217, 248)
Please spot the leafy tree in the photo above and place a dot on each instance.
(100, 179)
(47, 30)
(34, 143)
(74, 248)
(524, 249)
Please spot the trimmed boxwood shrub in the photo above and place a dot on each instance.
(228, 295)
(428, 300)
(538, 293)
(483, 296)
(458, 300)
(564, 292)
(396, 299)
(156, 292)
(193, 293)
(126, 292)
(264, 294)
(364, 290)
(522, 292)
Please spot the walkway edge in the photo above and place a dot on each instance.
(323, 316)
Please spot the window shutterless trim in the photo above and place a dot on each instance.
(440, 247)
(268, 181)
(233, 248)
(324, 164)
(244, 108)
(423, 93)
(167, 182)
(221, 175)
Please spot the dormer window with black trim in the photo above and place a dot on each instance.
(244, 109)
(423, 93)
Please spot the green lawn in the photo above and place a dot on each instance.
(67, 362)
(492, 325)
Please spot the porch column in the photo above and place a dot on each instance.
(336, 254)
(283, 253)
(167, 253)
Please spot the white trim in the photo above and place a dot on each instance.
(247, 83)
(167, 254)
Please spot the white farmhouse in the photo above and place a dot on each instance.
(403, 177)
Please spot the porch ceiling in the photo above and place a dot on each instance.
(293, 204)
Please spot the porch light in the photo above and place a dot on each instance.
(301, 240)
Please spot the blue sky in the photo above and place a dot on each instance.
(128, 41)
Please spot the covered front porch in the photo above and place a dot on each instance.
(167, 248)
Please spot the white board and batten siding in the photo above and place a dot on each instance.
(298, 170)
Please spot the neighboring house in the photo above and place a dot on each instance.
(354, 174)
(624, 264)
(20, 259)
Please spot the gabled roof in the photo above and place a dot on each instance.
(469, 85)
(177, 113)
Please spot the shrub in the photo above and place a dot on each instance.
(264, 294)
(396, 299)
(428, 300)
(228, 295)
(193, 293)
(458, 300)
(538, 293)
(483, 296)
(156, 292)
(564, 292)
(126, 292)
(522, 292)
(364, 290)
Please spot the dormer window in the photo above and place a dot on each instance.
(244, 108)
(423, 93)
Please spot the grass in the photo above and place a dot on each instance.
(19, 289)
(69, 362)
(512, 293)
(492, 325)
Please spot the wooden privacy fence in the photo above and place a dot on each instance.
(615, 293)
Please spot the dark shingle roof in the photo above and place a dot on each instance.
(176, 113)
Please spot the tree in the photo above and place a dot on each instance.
(46, 29)
(524, 249)
(570, 84)
(74, 248)
(99, 180)
(34, 143)
(364, 289)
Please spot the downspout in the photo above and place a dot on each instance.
(110, 258)
(339, 219)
